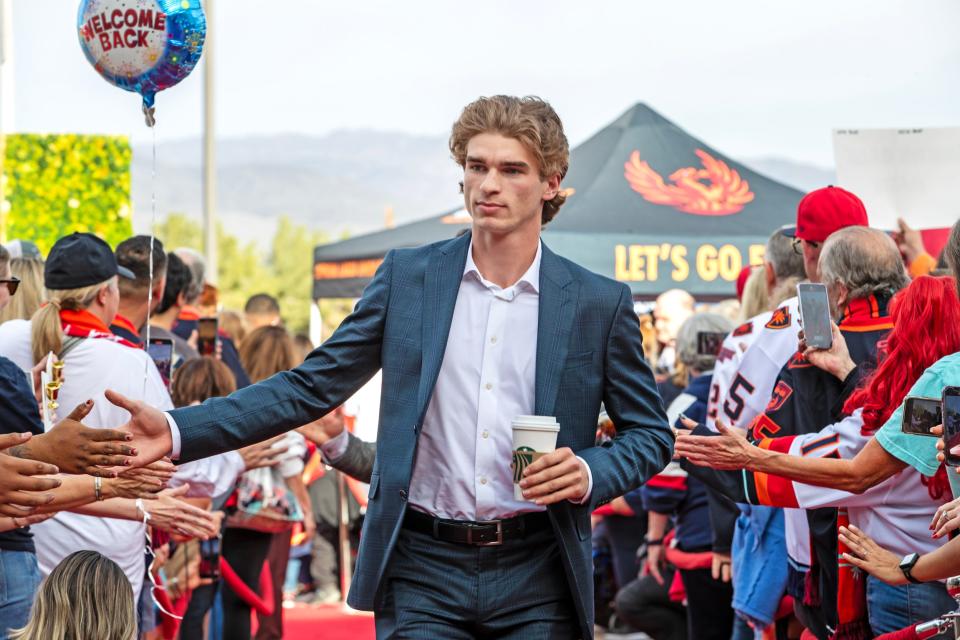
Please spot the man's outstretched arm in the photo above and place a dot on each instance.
(330, 374)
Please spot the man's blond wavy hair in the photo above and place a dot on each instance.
(531, 121)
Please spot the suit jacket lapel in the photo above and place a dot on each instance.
(440, 287)
(558, 300)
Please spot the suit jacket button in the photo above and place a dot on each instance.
(403, 494)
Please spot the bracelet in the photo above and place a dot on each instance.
(97, 486)
(143, 510)
(653, 543)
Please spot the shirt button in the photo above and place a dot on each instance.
(488, 386)
(485, 434)
(493, 340)
(403, 494)
(483, 481)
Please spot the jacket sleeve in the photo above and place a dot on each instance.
(644, 443)
(357, 460)
(329, 375)
(723, 520)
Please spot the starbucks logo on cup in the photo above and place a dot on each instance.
(522, 458)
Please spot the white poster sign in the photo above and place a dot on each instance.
(908, 173)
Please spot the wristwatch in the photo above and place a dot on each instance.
(906, 565)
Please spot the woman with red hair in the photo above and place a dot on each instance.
(876, 489)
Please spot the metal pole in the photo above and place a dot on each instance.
(6, 101)
(209, 152)
(343, 509)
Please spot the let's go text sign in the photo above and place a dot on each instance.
(674, 263)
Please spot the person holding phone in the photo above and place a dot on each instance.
(848, 466)
(163, 319)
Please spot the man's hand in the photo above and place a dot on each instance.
(836, 360)
(729, 450)
(77, 449)
(325, 429)
(151, 432)
(262, 454)
(871, 557)
(909, 241)
(557, 476)
(20, 490)
(720, 566)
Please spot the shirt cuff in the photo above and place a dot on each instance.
(586, 496)
(174, 436)
(335, 447)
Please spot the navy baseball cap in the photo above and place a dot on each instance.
(81, 260)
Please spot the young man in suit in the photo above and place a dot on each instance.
(471, 333)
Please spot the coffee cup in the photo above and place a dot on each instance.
(533, 438)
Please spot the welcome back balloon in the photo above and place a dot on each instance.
(143, 46)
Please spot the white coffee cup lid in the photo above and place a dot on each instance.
(536, 423)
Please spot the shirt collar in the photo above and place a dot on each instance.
(531, 277)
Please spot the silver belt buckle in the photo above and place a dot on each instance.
(493, 543)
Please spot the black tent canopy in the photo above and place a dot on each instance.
(648, 204)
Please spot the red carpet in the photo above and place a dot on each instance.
(329, 622)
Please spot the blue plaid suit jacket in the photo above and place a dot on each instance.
(588, 351)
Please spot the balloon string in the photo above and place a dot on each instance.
(153, 227)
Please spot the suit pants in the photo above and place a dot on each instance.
(435, 589)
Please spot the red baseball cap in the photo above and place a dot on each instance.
(826, 210)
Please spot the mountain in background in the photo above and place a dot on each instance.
(339, 183)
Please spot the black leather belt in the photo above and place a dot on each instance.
(489, 533)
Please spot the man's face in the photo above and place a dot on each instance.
(669, 316)
(502, 188)
(811, 259)
(4, 293)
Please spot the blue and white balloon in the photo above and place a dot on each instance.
(143, 46)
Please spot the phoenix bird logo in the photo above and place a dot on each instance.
(712, 190)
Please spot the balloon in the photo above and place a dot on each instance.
(142, 45)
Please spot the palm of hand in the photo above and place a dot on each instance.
(151, 432)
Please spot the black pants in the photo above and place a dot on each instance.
(514, 591)
(709, 614)
(645, 606)
(201, 601)
(245, 551)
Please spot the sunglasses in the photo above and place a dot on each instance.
(798, 245)
(11, 283)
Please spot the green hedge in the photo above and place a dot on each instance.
(57, 184)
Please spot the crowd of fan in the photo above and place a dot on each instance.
(795, 495)
(792, 497)
(74, 506)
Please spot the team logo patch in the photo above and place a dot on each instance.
(780, 320)
(743, 330)
(780, 394)
(798, 361)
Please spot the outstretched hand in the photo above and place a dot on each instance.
(22, 488)
(729, 450)
(77, 449)
(866, 554)
(151, 432)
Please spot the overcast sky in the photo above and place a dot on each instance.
(755, 78)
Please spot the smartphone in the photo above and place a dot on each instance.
(709, 343)
(920, 415)
(207, 329)
(815, 314)
(210, 558)
(951, 424)
(160, 351)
